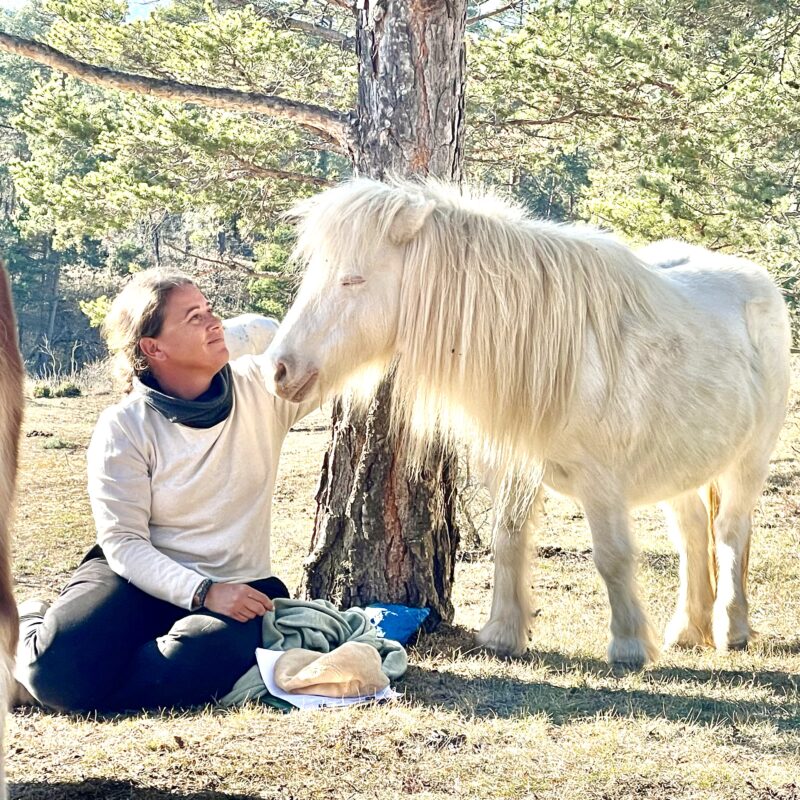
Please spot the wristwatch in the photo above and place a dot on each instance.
(199, 599)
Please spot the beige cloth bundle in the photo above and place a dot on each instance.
(351, 670)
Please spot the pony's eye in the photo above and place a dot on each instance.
(352, 280)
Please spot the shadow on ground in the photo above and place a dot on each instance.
(510, 697)
(673, 693)
(97, 789)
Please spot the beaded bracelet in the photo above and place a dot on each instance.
(199, 599)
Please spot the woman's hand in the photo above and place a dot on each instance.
(237, 601)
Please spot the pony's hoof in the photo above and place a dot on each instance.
(503, 639)
(630, 654)
(684, 634)
(738, 644)
(731, 637)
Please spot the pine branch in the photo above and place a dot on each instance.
(256, 170)
(493, 13)
(346, 43)
(234, 265)
(347, 5)
(578, 112)
(324, 122)
(341, 40)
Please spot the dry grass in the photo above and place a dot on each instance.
(555, 724)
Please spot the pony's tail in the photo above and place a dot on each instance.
(712, 505)
(11, 402)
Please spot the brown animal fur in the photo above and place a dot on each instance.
(11, 381)
(11, 402)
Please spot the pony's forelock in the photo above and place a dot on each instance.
(347, 222)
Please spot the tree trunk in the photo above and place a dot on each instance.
(378, 534)
(412, 71)
(54, 294)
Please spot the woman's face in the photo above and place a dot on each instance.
(191, 337)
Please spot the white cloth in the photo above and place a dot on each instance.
(174, 505)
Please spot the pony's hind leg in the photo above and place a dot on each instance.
(690, 625)
(632, 641)
(516, 517)
(739, 489)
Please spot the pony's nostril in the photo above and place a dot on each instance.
(280, 372)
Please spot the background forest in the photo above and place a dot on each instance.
(654, 120)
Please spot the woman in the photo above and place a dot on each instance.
(166, 609)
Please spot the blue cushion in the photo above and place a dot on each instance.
(396, 621)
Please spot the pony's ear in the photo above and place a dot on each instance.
(409, 219)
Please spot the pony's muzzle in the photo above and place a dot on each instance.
(292, 383)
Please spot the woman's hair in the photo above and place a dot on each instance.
(137, 311)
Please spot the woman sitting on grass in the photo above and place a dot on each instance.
(166, 609)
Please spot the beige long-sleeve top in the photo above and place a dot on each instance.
(174, 505)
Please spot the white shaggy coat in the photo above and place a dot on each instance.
(560, 356)
(248, 334)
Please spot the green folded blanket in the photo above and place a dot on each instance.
(314, 625)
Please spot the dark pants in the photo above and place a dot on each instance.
(106, 646)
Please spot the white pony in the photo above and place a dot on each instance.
(11, 402)
(248, 334)
(559, 355)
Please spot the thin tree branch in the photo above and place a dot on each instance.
(542, 122)
(279, 174)
(323, 121)
(667, 87)
(346, 43)
(341, 40)
(578, 112)
(493, 13)
(345, 4)
(291, 23)
(234, 265)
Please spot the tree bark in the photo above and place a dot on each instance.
(378, 534)
(412, 70)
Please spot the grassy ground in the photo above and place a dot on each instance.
(555, 724)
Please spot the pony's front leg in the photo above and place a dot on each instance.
(516, 517)
(632, 641)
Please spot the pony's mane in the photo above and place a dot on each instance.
(494, 309)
